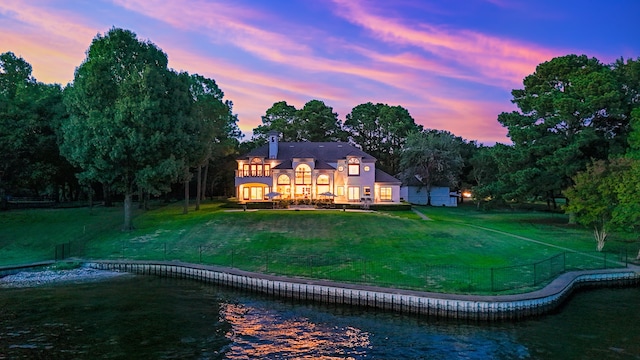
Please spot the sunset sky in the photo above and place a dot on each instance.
(452, 64)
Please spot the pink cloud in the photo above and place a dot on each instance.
(504, 60)
(56, 41)
(52, 42)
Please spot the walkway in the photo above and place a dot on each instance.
(423, 216)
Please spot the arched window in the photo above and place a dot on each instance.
(303, 174)
(284, 180)
(323, 180)
(322, 184)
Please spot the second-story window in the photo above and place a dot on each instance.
(257, 168)
(354, 167)
(303, 174)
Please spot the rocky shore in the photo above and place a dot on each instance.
(48, 276)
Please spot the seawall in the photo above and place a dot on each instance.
(439, 305)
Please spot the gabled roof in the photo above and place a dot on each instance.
(284, 165)
(383, 177)
(322, 151)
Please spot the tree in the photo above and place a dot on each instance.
(568, 111)
(30, 114)
(128, 117)
(627, 214)
(433, 157)
(381, 130)
(319, 123)
(485, 164)
(594, 198)
(218, 131)
(314, 122)
(282, 118)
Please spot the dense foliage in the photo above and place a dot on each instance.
(128, 125)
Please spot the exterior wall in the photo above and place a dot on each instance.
(347, 188)
(342, 179)
(440, 196)
(395, 193)
(416, 195)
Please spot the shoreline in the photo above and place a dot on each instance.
(46, 276)
(430, 304)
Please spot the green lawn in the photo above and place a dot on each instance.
(459, 250)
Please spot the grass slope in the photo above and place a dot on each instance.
(393, 249)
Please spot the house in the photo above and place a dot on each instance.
(415, 192)
(334, 171)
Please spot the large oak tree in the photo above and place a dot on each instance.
(128, 116)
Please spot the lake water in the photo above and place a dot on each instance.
(139, 317)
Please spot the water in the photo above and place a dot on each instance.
(153, 318)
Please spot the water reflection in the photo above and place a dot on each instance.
(259, 333)
(153, 318)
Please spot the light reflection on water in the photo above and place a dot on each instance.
(152, 318)
(258, 333)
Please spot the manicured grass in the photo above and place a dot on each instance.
(459, 250)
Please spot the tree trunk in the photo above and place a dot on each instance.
(198, 187)
(146, 201)
(90, 193)
(204, 181)
(128, 225)
(187, 178)
(185, 208)
(106, 191)
(601, 237)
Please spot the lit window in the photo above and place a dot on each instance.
(340, 191)
(323, 180)
(303, 174)
(385, 193)
(284, 180)
(354, 167)
(367, 191)
(354, 193)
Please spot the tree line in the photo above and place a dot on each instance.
(127, 126)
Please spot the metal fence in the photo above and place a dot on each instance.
(399, 274)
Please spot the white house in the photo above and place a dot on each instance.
(313, 170)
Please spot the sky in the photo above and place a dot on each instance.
(451, 63)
